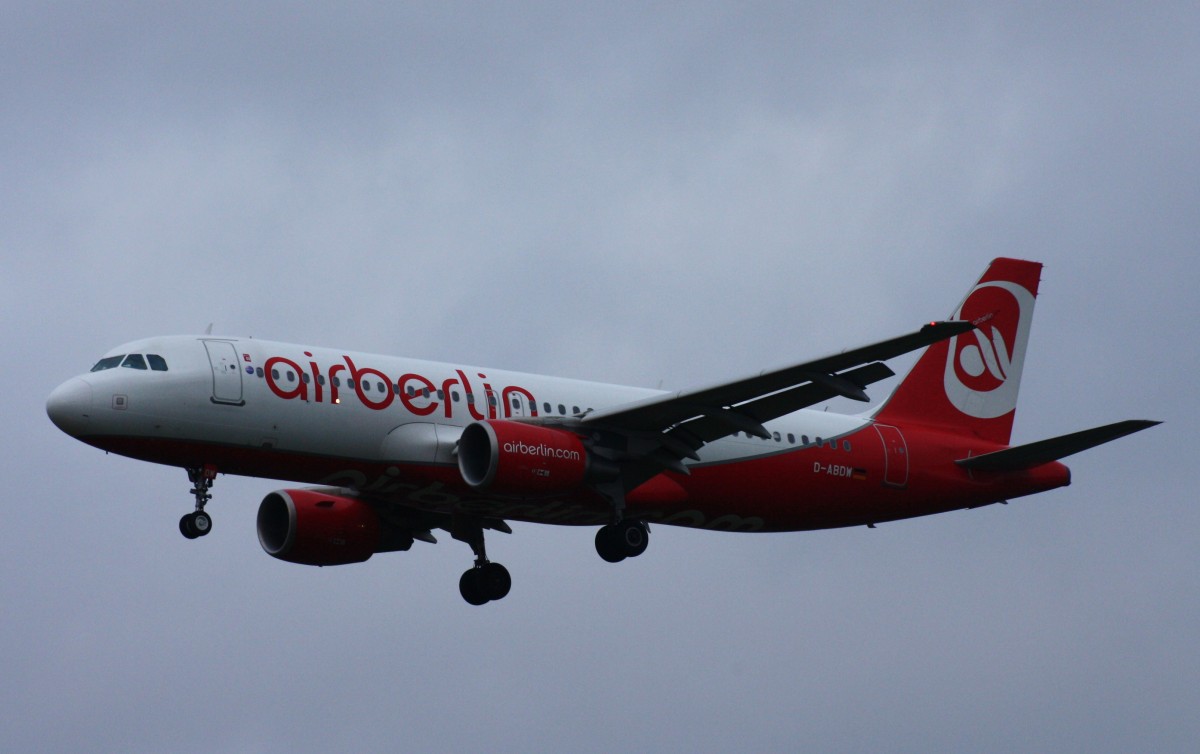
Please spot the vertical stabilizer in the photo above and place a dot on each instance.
(969, 383)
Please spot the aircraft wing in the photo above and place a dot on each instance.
(675, 425)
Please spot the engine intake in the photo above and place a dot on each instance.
(507, 457)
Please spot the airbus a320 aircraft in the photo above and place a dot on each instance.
(402, 447)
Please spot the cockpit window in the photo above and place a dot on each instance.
(132, 361)
(107, 363)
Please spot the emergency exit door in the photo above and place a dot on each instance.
(895, 456)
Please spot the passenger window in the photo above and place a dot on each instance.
(109, 363)
(546, 408)
(562, 409)
(574, 409)
(258, 371)
(454, 395)
(846, 445)
(320, 379)
(791, 438)
(275, 374)
(441, 395)
(804, 439)
(380, 386)
(516, 404)
(776, 434)
(157, 363)
(304, 377)
(134, 361)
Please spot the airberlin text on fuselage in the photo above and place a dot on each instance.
(419, 394)
(543, 450)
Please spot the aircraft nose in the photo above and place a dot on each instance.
(70, 406)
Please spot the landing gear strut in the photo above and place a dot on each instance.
(199, 523)
(486, 581)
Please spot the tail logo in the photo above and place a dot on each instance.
(983, 368)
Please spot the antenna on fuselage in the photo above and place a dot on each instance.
(208, 330)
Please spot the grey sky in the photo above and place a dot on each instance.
(677, 194)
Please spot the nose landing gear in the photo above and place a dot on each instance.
(199, 523)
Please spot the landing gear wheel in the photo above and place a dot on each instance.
(496, 581)
(196, 524)
(202, 523)
(608, 546)
(634, 537)
(472, 587)
(485, 583)
(625, 539)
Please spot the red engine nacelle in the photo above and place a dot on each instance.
(507, 457)
(312, 527)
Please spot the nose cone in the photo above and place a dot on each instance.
(70, 406)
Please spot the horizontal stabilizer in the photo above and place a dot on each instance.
(1044, 451)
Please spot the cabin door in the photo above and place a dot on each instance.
(227, 377)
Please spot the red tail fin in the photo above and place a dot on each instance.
(969, 383)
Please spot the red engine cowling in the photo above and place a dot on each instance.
(312, 527)
(507, 457)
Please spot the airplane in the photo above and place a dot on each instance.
(400, 447)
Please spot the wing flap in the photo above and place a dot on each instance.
(709, 427)
(1033, 454)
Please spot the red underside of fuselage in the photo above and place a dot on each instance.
(793, 490)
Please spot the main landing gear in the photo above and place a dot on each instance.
(486, 581)
(199, 523)
(624, 539)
